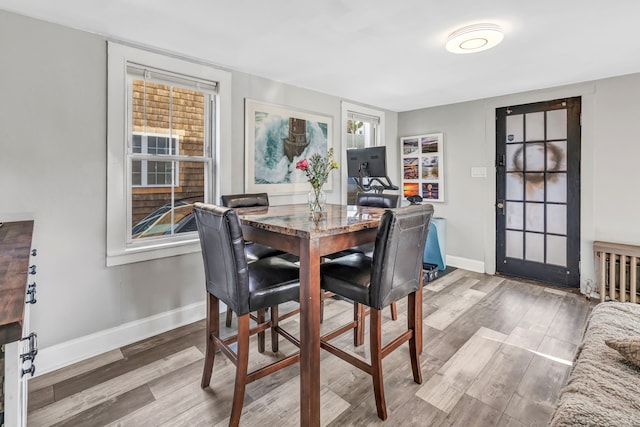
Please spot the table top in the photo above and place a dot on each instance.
(295, 220)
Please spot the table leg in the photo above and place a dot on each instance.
(309, 333)
(419, 315)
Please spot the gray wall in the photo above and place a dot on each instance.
(610, 152)
(53, 169)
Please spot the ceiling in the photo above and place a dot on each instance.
(388, 54)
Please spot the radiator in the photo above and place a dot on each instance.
(617, 271)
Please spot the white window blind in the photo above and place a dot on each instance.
(160, 76)
(363, 118)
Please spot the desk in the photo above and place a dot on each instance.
(289, 228)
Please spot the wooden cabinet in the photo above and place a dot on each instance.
(17, 294)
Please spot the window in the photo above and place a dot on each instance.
(362, 127)
(154, 173)
(362, 130)
(164, 127)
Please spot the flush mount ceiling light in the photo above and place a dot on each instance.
(474, 38)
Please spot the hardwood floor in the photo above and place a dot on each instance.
(496, 353)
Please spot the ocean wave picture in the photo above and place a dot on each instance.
(280, 142)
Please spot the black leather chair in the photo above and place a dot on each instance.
(376, 200)
(386, 201)
(379, 200)
(244, 287)
(395, 271)
(254, 251)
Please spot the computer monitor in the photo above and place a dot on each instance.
(367, 162)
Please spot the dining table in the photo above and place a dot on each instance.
(293, 229)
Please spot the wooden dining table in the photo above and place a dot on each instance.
(292, 229)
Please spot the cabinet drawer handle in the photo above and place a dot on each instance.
(32, 349)
(31, 370)
(31, 291)
(30, 355)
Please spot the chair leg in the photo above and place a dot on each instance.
(261, 314)
(227, 321)
(323, 296)
(358, 316)
(375, 340)
(412, 315)
(213, 329)
(394, 311)
(274, 333)
(241, 369)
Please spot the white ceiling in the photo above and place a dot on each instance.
(389, 54)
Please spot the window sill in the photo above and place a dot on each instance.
(155, 251)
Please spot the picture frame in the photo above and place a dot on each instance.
(276, 138)
(422, 166)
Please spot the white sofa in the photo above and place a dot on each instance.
(603, 388)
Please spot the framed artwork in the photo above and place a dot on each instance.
(276, 137)
(423, 166)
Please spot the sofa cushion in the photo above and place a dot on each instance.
(628, 347)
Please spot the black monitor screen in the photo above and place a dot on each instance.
(372, 161)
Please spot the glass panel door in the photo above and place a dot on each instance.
(538, 191)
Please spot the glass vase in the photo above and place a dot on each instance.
(317, 201)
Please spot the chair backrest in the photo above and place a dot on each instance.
(244, 200)
(225, 262)
(398, 254)
(376, 200)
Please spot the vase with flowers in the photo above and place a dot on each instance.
(317, 169)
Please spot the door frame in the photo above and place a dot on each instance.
(564, 276)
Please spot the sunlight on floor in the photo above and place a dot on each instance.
(537, 353)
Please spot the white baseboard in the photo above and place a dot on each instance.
(466, 263)
(78, 349)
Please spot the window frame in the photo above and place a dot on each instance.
(120, 247)
(346, 109)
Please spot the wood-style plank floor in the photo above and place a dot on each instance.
(496, 353)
